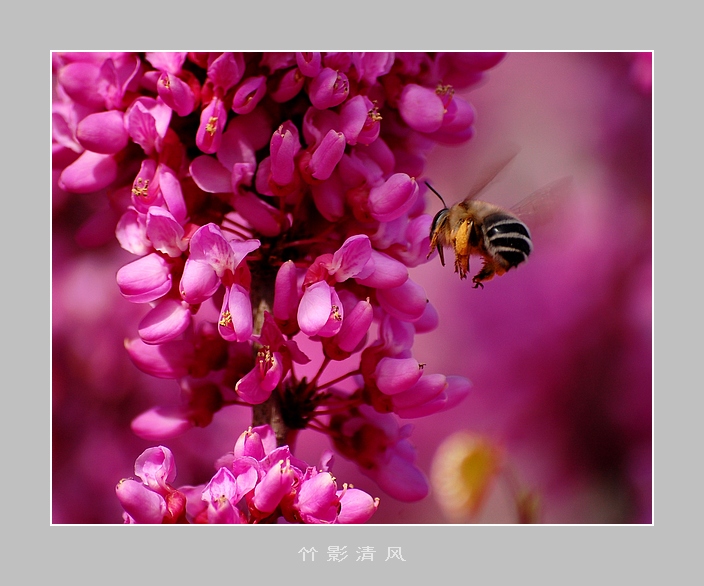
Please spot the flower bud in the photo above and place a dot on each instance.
(355, 326)
(284, 146)
(176, 93)
(89, 172)
(103, 132)
(396, 375)
(145, 279)
(316, 499)
(356, 506)
(327, 155)
(140, 503)
(275, 485)
(308, 63)
(406, 302)
(212, 124)
(171, 360)
(168, 320)
(287, 86)
(388, 272)
(286, 297)
(160, 423)
(248, 94)
(393, 198)
(328, 89)
(421, 108)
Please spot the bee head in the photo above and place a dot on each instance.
(438, 221)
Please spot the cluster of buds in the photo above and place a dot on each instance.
(256, 483)
(272, 197)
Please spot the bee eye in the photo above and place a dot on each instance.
(438, 219)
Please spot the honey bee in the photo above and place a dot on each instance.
(473, 227)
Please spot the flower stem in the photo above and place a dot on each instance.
(262, 295)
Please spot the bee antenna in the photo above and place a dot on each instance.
(436, 193)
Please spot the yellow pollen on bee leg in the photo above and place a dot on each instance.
(211, 126)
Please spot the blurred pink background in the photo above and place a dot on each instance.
(559, 351)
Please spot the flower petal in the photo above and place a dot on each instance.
(314, 309)
(145, 279)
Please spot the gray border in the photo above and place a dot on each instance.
(493, 554)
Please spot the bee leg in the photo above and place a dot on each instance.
(487, 272)
(461, 245)
(434, 244)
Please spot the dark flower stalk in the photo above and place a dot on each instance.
(270, 199)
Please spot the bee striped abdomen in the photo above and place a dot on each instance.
(508, 238)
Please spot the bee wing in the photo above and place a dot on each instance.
(489, 174)
(542, 205)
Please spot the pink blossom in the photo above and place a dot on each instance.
(280, 192)
(316, 499)
(168, 360)
(156, 468)
(212, 124)
(272, 363)
(220, 494)
(214, 260)
(356, 506)
(284, 146)
(327, 155)
(147, 120)
(225, 70)
(308, 63)
(166, 321)
(161, 423)
(328, 88)
(103, 132)
(353, 331)
(421, 108)
(145, 279)
(276, 484)
(89, 172)
(177, 93)
(248, 94)
(406, 302)
(140, 503)
(360, 120)
(286, 298)
(395, 197)
(396, 375)
(382, 449)
(287, 86)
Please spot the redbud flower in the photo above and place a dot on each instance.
(221, 495)
(329, 88)
(279, 192)
(248, 94)
(177, 93)
(103, 132)
(308, 63)
(212, 124)
(356, 506)
(145, 279)
(89, 172)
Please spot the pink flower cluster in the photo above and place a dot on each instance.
(256, 483)
(273, 198)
